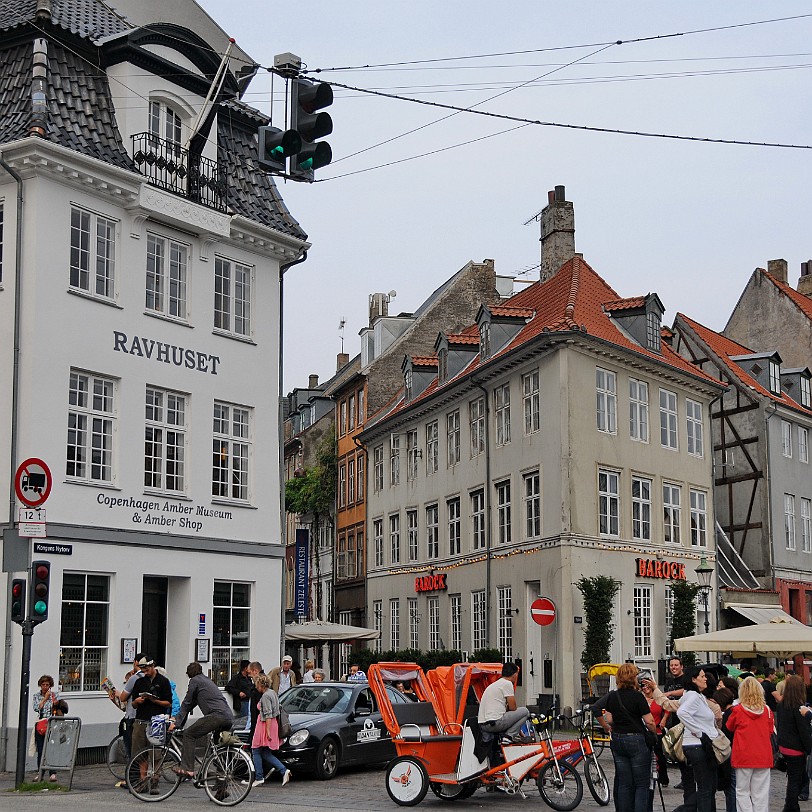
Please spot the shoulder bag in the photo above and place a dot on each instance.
(281, 716)
(721, 748)
(672, 742)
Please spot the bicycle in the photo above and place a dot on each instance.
(117, 758)
(226, 772)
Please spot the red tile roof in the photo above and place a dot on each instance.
(804, 303)
(511, 312)
(464, 338)
(625, 304)
(424, 360)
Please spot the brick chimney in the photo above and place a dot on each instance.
(805, 282)
(557, 233)
(777, 269)
(312, 381)
(342, 359)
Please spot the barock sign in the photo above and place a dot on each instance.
(429, 583)
(668, 570)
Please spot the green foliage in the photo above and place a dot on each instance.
(486, 655)
(425, 659)
(683, 617)
(314, 491)
(598, 593)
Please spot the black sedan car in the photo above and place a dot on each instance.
(335, 724)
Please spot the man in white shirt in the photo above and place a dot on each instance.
(497, 708)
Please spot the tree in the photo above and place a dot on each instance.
(598, 593)
(683, 615)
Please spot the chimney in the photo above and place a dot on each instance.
(379, 305)
(342, 359)
(313, 382)
(777, 269)
(557, 233)
(805, 282)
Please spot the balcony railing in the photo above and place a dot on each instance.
(175, 169)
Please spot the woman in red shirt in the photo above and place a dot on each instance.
(660, 717)
(752, 723)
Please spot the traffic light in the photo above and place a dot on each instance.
(40, 590)
(307, 98)
(276, 146)
(18, 600)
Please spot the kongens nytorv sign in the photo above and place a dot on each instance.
(163, 515)
(166, 353)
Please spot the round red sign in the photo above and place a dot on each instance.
(542, 610)
(33, 482)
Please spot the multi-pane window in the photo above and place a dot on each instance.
(432, 447)
(434, 623)
(484, 340)
(231, 447)
(642, 621)
(669, 617)
(362, 414)
(165, 440)
(531, 401)
(455, 608)
(532, 505)
(803, 444)
(789, 520)
(377, 465)
(351, 413)
(672, 510)
(164, 123)
(412, 452)
(476, 413)
(668, 419)
(350, 482)
(394, 538)
(342, 485)
(454, 535)
(505, 629)
(414, 624)
(452, 427)
(352, 559)
(608, 502)
(503, 511)
(606, 400)
(167, 262)
(693, 413)
(478, 519)
(806, 386)
(442, 366)
(359, 477)
(806, 525)
(641, 508)
(377, 536)
(653, 331)
(342, 418)
(83, 634)
(699, 518)
(91, 421)
(501, 399)
(394, 624)
(92, 252)
(408, 384)
(341, 557)
(232, 297)
(411, 534)
(377, 619)
(231, 629)
(786, 438)
(394, 459)
(775, 377)
(432, 532)
(344, 649)
(478, 619)
(638, 410)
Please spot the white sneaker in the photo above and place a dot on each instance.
(286, 777)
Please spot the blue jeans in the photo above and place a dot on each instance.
(700, 793)
(632, 772)
(262, 756)
(730, 792)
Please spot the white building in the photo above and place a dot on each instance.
(139, 349)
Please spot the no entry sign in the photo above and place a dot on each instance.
(33, 482)
(542, 610)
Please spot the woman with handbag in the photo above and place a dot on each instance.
(752, 724)
(698, 719)
(45, 703)
(794, 737)
(266, 734)
(629, 718)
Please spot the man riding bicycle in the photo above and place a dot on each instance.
(217, 715)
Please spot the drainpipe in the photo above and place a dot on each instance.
(713, 498)
(283, 527)
(487, 493)
(768, 485)
(15, 386)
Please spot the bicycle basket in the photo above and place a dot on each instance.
(156, 730)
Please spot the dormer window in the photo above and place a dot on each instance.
(442, 366)
(806, 392)
(164, 123)
(653, 330)
(484, 340)
(408, 383)
(775, 378)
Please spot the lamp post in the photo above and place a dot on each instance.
(704, 573)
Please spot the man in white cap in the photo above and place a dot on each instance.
(282, 677)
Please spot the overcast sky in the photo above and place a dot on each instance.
(687, 220)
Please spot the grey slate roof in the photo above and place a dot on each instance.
(89, 19)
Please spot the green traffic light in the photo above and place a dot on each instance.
(278, 152)
(306, 164)
(40, 607)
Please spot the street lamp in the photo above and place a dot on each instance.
(703, 577)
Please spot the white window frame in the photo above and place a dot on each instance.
(233, 433)
(641, 508)
(531, 402)
(92, 253)
(806, 389)
(166, 123)
(695, 429)
(432, 531)
(638, 410)
(165, 435)
(88, 658)
(454, 526)
(432, 447)
(803, 444)
(452, 427)
(394, 459)
(226, 656)
(606, 400)
(609, 502)
(394, 538)
(532, 504)
(478, 519)
(166, 289)
(412, 537)
(233, 295)
(775, 377)
(668, 617)
(478, 609)
(806, 525)
(377, 619)
(668, 420)
(476, 411)
(434, 623)
(377, 535)
(786, 439)
(505, 625)
(92, 427)
(699, 518)
(394, 623)
(377, 455)
(501, 400)
(672, 513)
(455, 610)
(643, 597)
(414, 623)
(351, 482)
(412, 454)
(504, 512)
(789, 520)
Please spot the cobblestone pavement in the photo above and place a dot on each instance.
(358, 789)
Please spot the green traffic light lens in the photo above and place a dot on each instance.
(40, 607)
(306, 164)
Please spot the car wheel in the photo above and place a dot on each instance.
(327, 759)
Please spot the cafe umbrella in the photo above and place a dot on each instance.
(781, 637)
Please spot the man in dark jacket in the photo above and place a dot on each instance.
(239, 686)
(203, 694)
(254, 670)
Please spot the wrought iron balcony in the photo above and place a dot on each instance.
(175, 169)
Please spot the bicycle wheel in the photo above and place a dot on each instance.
(406, 781)
(562, 792)
(596, 780)
(227, 776)
(453, 792)
(150, 774)
(117, 758)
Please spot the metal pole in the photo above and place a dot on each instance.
(22, 724)
(706, 594)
